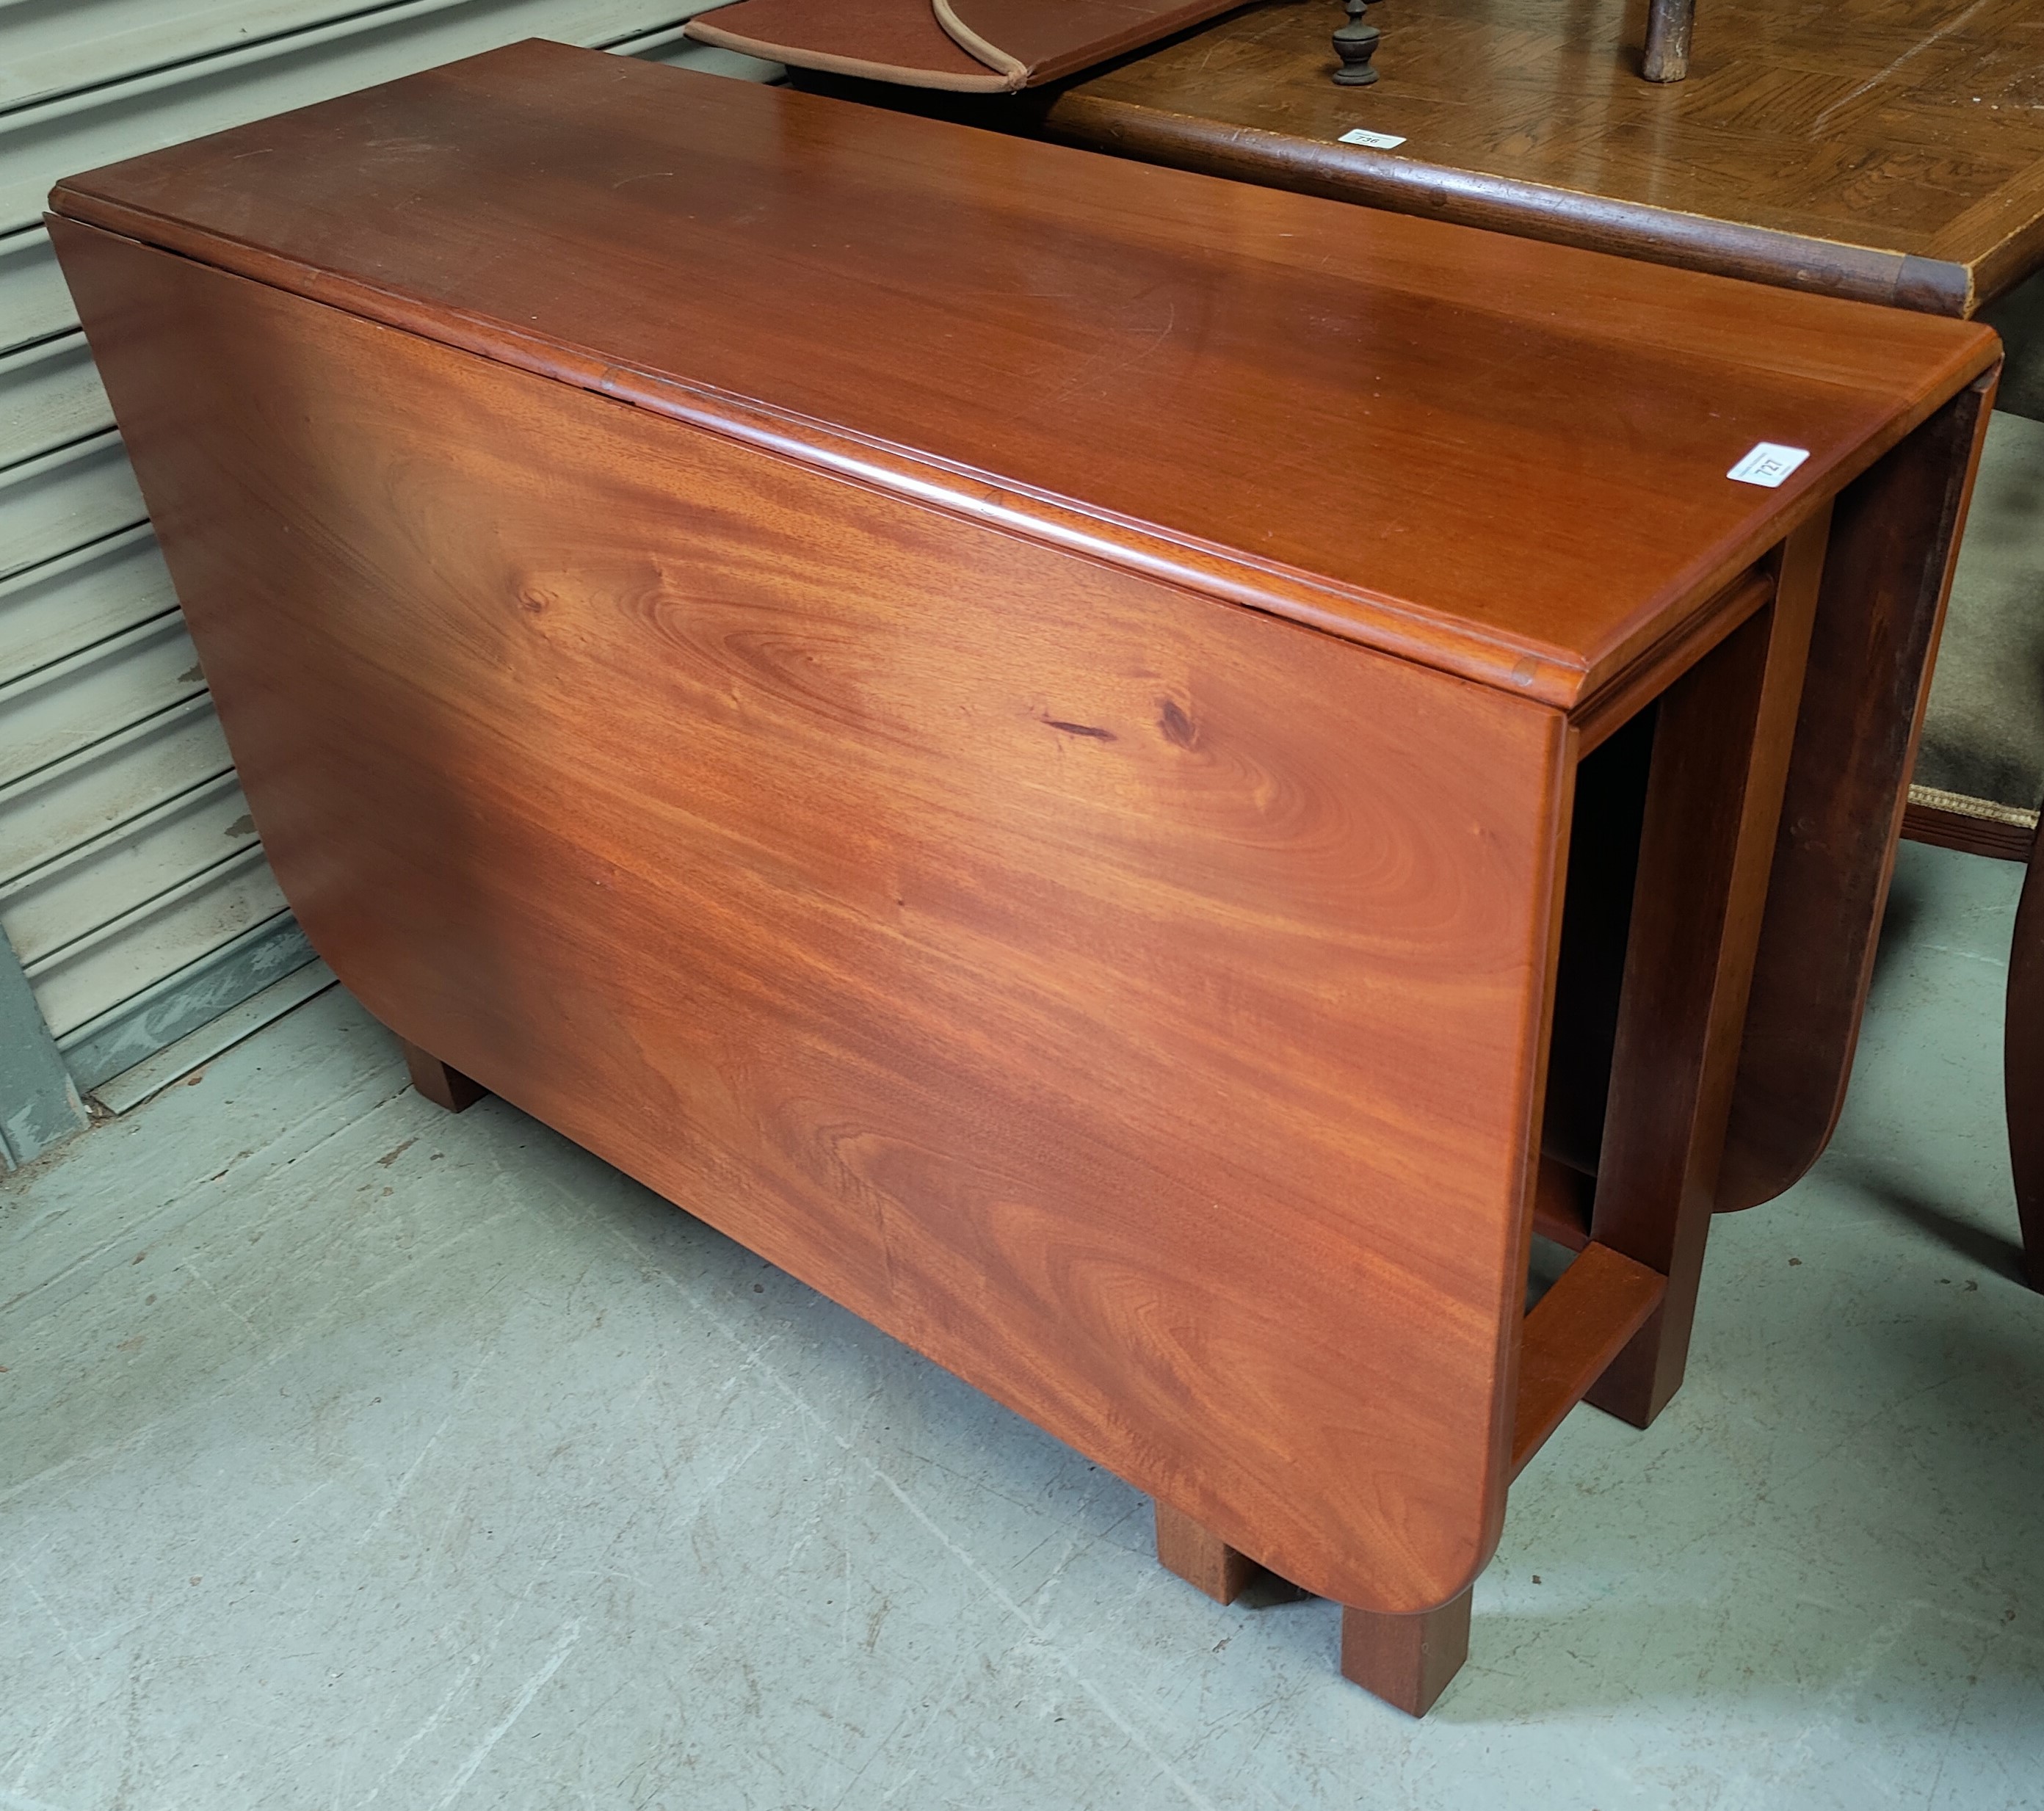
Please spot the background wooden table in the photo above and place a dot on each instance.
(1891, 150)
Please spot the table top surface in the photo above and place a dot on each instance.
(1505, 460)
(1895, 143)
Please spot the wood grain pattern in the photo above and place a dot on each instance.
(1086, 350)
(1350, 340)
(1244, 98)
(1032, 958)
(1891, 150)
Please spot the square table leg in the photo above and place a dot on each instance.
(1201, 1558)
(1406, 1660)
(443, 1086)
(1721, 746)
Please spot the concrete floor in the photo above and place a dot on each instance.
(353, 1454)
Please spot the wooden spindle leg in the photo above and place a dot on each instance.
(2023, 1066)
(1668, 25)
(1405, 1660)
(1201, 1558)
(1721, 746)
(443, 1087)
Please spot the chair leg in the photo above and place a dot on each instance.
(443, 1087)
(1405, 1660)
(2023, 1064)
(1669, 24)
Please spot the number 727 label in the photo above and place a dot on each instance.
(1768, 464)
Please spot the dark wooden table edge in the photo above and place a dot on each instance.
(1513, 205)
(2013, 261)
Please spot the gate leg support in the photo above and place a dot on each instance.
(1721, 739)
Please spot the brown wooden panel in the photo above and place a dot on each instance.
(1887, 575)
(1890, 151)
(1502, 459)
(1128, 1000)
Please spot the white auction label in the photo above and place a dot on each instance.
(1768, 465)
(1376, 141)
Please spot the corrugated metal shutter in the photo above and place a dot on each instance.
(132, 887)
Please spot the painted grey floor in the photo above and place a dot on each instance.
(353, 1454)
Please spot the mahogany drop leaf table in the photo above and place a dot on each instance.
(1127, 774)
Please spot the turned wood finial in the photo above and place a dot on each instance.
(1355, 44)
